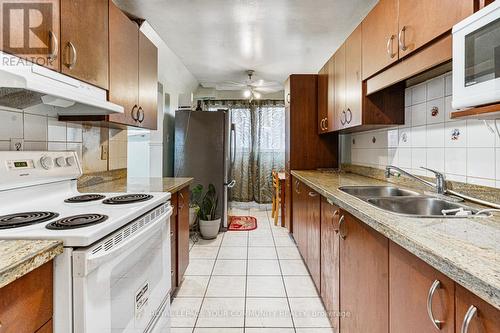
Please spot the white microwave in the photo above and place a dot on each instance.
(476, 59)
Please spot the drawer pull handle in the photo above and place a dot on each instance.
(313, 194)
(401, 38)
(435, 285)
(467, 319)
(341, 230)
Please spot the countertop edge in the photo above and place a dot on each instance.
(30, 263)
(479, 287)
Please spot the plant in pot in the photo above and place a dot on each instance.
(194, 207)
(209, 221)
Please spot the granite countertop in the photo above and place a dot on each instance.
(19, 257)
(139, 184)
(465, 249)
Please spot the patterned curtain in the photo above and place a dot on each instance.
(260, 146)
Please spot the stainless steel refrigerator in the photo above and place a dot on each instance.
(205, 150)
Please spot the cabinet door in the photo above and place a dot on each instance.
(322, 98)
(288, 202)
(182, 233)
(26, 304)
(364, 282)
(353, 78)
(330, 279)
(47, 328)
(411, 281)
(313, 211)
(148, 83)
(84, 40)
(124, 50)
(380, 37)
(300, 218)
(42, 47)
(330, 120)
(484, 317)
(340, 86)
(420, 21)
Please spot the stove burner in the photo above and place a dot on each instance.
(77, 221)
(85, 198)
(127, 198)
(24, 219)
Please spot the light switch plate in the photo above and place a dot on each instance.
(16, 144)
(104, 152)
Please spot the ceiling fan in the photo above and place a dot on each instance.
(252, 89)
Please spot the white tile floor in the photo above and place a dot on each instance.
(248, 282)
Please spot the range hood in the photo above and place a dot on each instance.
(24, 84)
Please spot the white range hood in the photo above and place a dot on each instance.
(24, 84)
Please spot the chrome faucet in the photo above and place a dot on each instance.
(440, 185)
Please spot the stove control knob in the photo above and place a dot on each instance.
(47, 162)
(70, 160)
(61, 161)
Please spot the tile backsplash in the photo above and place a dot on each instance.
(39, 129)
(465, 150)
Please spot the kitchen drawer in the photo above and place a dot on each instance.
(26, 304)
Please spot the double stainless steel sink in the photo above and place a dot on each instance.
(406, 202)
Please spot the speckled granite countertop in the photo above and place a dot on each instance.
(465, 249)
(19, 257)
(168, 184)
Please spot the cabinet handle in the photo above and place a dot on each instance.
(181, 200)
(350, 116)
(341, 230)
(171, 234)
(326, 124)
(321, 124)
(140, 114)
(73, 55)
(297, 184)
(389, 46)
(288, 98)
(171, 273)
(343, 121)
(401, 39)
(133, 113)
(435, 285)
(467, 319)
(54, 46)
(313, 194)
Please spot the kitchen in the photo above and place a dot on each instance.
(381, 157)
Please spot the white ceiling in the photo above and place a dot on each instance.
(218, 40)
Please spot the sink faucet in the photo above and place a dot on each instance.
(440, 185)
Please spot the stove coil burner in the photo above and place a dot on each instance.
(77, 221)
(127, 198)
(24, 219)
(85, 198)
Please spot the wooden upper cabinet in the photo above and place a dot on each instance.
(380, 37)
(123, 65)
(43, 47)
(420, 21)
(330, 256)
(364, 277)
(84, 40)
(148, 83)
(484, 318)
(340, 88)
(353, 79)
(322, 98)
(412, 282)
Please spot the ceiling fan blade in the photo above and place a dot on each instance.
(267, 90)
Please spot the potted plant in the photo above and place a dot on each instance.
(207, 203)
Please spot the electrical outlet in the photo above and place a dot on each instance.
(104, 152)
(16, 144)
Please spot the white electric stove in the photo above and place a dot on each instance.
(114, 274)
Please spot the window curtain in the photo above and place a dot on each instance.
(260, 146)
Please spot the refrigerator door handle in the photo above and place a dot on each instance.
(233, 143)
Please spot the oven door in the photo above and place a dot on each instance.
(122, 283)
(476, 59)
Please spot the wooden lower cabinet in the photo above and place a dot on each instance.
(288, 202)
(364, 277)
(47, 328)
(313, 232)
(484, 317)
(182, 233)
(410, 283)
(330, 261)
(26, 304)
(299, 211)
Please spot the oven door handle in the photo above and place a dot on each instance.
(84, 261)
